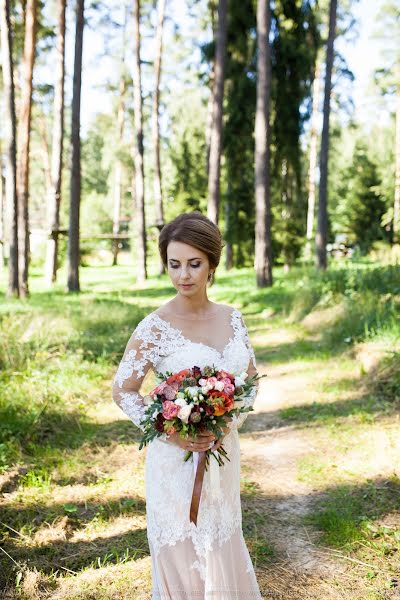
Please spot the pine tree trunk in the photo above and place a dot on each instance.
(42, 127)
(57, 151)
(322, 230)
(118, 163)
(2, 218)
(217, 113)
(313, 158)
(228, 221)
(396, 206)
(23, 144)
(158, 200)
(75, 186)
(10, 148)
(138, 153)
(263, 247)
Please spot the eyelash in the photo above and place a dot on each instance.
(176, 266)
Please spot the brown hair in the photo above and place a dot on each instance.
(194, 229)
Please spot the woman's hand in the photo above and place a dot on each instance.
(202, 442)
(226, 430)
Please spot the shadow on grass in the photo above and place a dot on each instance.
(348, 513)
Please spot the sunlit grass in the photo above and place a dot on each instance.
(73, 477)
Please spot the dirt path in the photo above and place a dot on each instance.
(270, 452)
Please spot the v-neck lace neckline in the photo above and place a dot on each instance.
(185, 339)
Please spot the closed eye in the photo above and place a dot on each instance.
(176, 266)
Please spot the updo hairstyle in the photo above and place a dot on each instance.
(194, 229)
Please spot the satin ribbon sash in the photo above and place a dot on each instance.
(199, 463)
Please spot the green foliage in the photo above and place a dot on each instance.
(294, 51)
(361, 208)
(240, 89)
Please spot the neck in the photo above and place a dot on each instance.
(195, 304)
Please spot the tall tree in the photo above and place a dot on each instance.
(313, 158)
(139, 152)
(54, 199)
(263, 247)
(2, 217)
(10, 147)
(75, 185)
(23, 143)
(387, 78)
(117, 193)
(158, 198)
(322, 228)
(294, 48)
(396, 204)
(216, 128)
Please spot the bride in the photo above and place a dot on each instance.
(207, 559)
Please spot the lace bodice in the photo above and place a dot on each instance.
(156, 344)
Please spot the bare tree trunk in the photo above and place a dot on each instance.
(313, 158)
(396, 205)
(2, 218)
(118, 171)
(228, 218)
(138, 152)
(158, 199)
(10, 148)
(23, 144)
(322, 231)
(209, 118)
(54, 199)
(216, 129)
(75, 187)
(118, 163)
(41, 118)
(263, 247)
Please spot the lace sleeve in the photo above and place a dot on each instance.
(141, 353)
(238, 420)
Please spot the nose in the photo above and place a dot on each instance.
(184, 273)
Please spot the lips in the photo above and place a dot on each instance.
(188, 285)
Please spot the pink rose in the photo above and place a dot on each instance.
(212, 381)
(170, 410)
(169, 392)
(159, 389)
(226, 380)
(229, 388)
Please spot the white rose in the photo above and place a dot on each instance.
(192, 390)
(147, 400)
(243, 375)
(202, 381)
(206, 388)
(219, 386)
(184, 413)
(181, 401)
(239, 381)
(239, 403)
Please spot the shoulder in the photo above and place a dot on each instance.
(229, 310)
(148, 326)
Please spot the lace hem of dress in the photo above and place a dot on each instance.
(203, 542)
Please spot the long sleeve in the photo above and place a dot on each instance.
(249, 399)
(139, 356)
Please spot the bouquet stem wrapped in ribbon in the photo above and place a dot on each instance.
(192, 401)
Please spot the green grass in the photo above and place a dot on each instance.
(70, 503)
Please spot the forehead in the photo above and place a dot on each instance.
(181, 251)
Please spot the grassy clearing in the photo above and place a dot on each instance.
(73, 509)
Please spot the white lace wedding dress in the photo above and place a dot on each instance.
(210, 560)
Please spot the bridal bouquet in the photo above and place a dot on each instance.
(195, 400)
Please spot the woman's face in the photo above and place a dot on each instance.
(188, 268)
